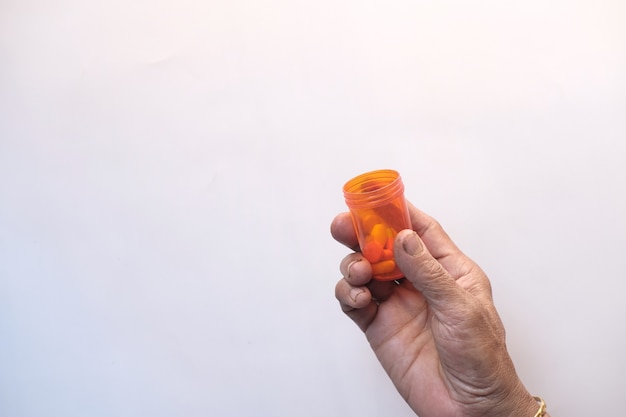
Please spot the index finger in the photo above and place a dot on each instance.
(342, 230)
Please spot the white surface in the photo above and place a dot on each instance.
(169, 169)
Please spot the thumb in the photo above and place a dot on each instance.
(427, 275)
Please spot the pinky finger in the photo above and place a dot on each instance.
(357, 303)
(363, 317)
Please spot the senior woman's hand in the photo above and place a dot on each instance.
(436, 333)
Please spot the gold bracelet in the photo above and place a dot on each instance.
(542, 407)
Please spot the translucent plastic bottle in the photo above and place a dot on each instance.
(379, 211)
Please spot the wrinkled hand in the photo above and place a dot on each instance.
(436, 333)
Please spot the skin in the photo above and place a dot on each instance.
(436, 333)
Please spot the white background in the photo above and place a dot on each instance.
(169, 170)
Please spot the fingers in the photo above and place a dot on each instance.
(357, 272)
(354, 298)
(351, 297)
(342, 230)
(428, 258)
(357, 293)
(355, 269)
(357, 303)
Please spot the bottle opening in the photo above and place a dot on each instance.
(373, 188)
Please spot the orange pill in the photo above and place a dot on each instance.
(373, 251)
(387, 254)
(383, 267)
(389, 243)
(370, 220)
(379, 234)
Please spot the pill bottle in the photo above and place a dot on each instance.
(379, 211)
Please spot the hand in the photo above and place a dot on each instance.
(436, 333)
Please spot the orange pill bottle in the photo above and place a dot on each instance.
(379, 211)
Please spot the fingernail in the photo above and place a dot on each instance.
(355, 292)
(412, 244)
(350, 267)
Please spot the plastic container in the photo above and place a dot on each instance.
(379, 211)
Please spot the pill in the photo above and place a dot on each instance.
(383, 267)
(389, 243)
(379, 233)
(387, 254)
(373, 251)
(370, 220)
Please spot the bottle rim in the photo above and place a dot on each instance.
(373, 188)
